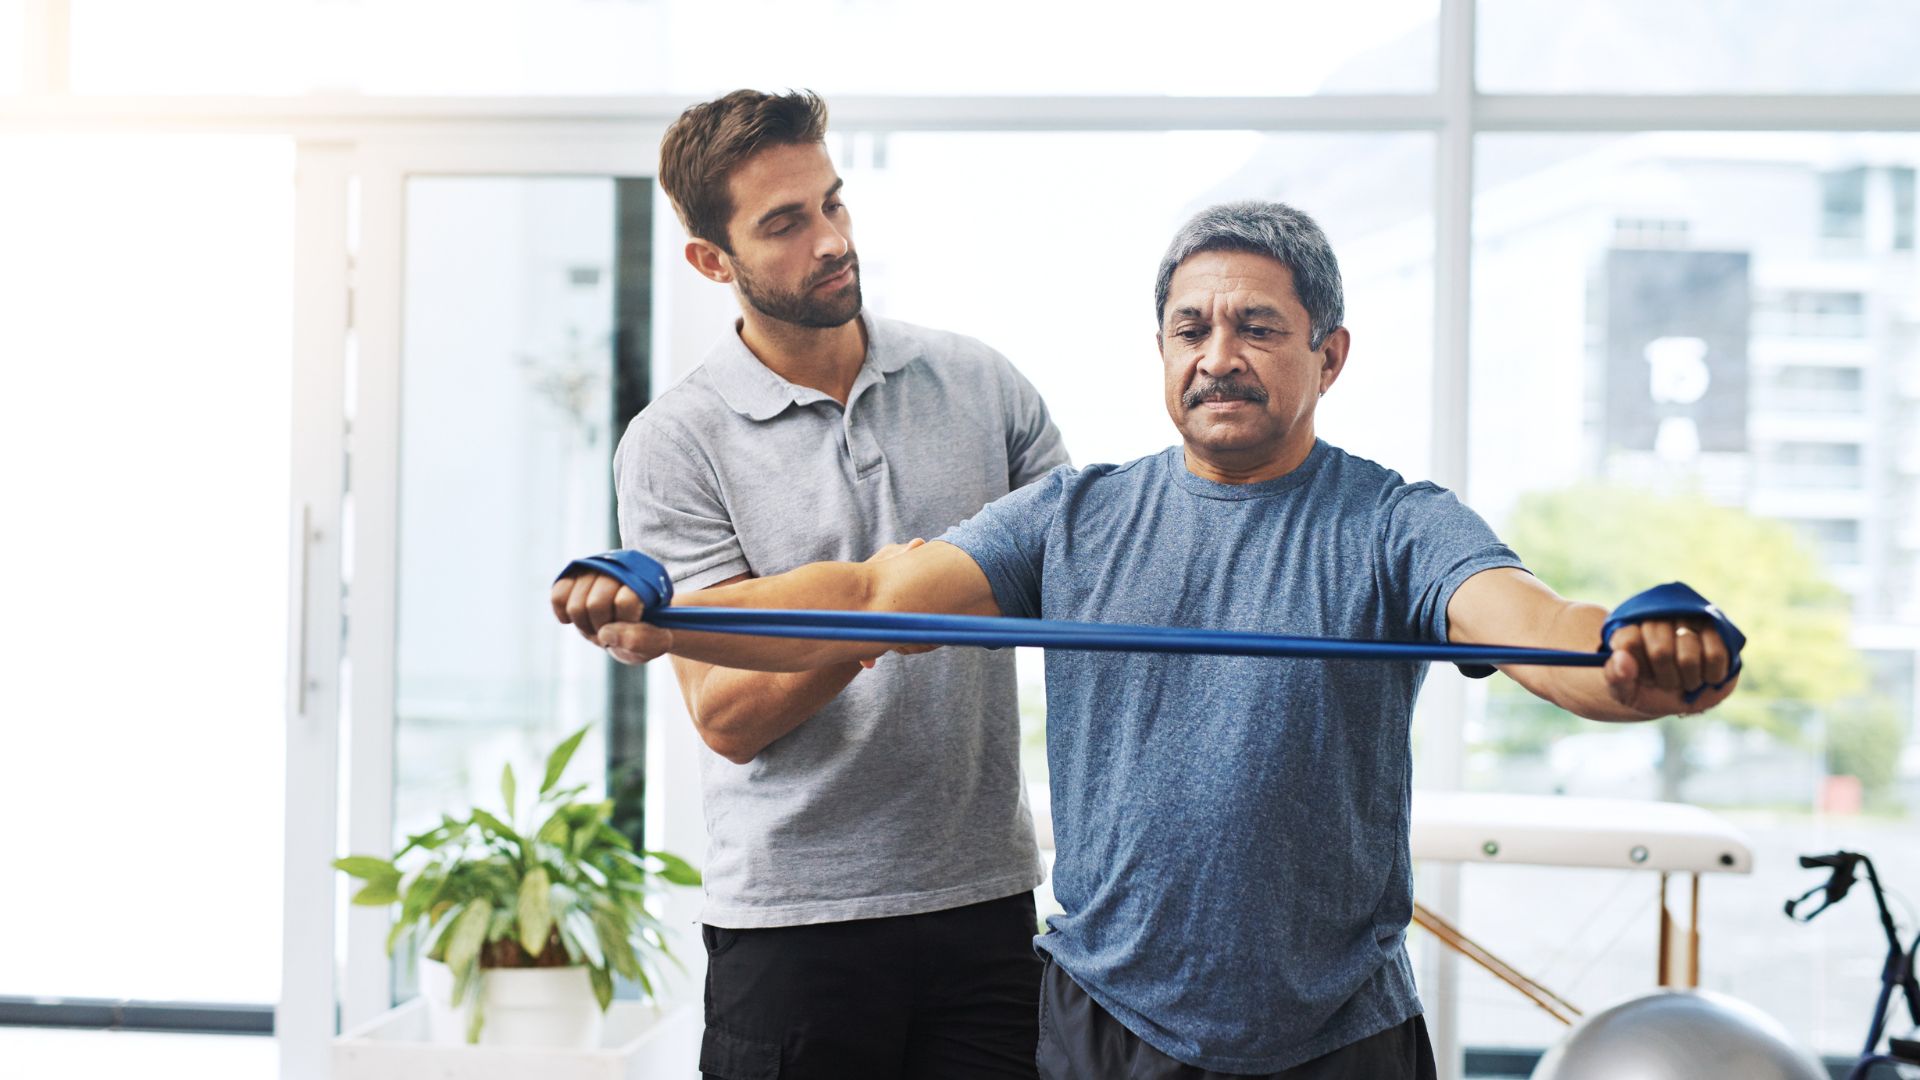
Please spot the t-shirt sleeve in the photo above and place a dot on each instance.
(1433, 544)
(1008, 539)
(1034, 444)
(670, 507)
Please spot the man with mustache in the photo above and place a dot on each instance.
(1231, 832)
(869, 908)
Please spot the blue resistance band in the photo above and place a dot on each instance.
(650, 582)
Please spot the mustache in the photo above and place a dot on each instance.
(849, 259)
(1211, 389)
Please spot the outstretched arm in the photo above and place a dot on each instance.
(937, 578)
(1653, 664)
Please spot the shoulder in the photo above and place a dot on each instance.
(1363, 482)
(950, 352)
(1107, 481)
(682, 418)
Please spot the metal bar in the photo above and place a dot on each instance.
(1663, 973)
(125, 1015)
(1699, 112)
(335, 113)
(1693, 937)
(1449, 935)
(323, 115)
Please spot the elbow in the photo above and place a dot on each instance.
(725, 737)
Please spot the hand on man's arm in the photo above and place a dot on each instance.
(1653, 666)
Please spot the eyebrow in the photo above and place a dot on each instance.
(1255, 311)
(796, 207)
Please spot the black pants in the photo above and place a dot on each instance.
(1079, 1040)
(949, 994)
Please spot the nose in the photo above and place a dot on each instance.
(830, 242)
(1221, 356)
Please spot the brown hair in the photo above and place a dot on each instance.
(711, 139)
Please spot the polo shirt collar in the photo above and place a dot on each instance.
(752, 389)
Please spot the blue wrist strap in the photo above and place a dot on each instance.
(641, 573)
(649, 580)
(1676, 601)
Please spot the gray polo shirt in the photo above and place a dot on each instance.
(902, 795)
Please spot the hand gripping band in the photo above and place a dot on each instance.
(1676, 601)
(641, 573)
(649, 580)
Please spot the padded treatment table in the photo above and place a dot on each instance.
(1550, 830)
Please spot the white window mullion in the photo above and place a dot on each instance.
(375, 445)
(1444, 701)
(304, 1020)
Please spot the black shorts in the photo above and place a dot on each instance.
(1079, 1040)
(949, 994)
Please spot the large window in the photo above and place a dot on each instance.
(144, 406)
(1729, 401)
(1698, 47)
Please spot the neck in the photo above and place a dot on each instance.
(826, 359)
(1250, 466)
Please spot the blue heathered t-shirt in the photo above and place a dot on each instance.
(1232, 831)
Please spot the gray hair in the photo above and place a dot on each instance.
(1275, 230)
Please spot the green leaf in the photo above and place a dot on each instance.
(367, 867)
(476, 1021)
(506, 787)
(676, 869)
(495, 825)
(561, 795)
(421, 895)
(437, 948)
(615, 943)
(557, 761)
(535, 911)
(602, 986)
(554, 831)
(378, 893)
(582, 839)
(468, 934)
(400, 928)
(579, 927)
(613, 836)
(426, 841)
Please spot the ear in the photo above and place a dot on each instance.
(709, 261)
(1333, 356)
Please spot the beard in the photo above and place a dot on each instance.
(801, 307)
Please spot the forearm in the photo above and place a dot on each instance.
(740, 713)
(831, 586)
(1582, 691)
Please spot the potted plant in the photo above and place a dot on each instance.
(531, 915)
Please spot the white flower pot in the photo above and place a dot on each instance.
(535, 1007)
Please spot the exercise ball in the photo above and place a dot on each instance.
(1678, 1035)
